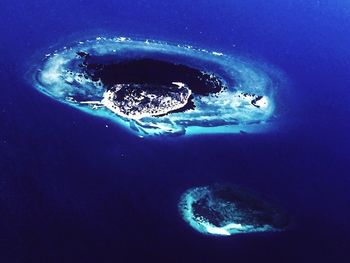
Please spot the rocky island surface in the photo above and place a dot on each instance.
(137, 101)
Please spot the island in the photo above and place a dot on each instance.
(157, 88)
(228, 210)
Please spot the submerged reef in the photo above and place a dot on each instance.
(227, 210)
(157, 88)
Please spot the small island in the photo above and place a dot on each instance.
(228, 210)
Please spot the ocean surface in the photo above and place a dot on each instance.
(79, 188)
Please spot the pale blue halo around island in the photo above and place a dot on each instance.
(245, 104)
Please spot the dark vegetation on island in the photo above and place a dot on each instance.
(148, 71)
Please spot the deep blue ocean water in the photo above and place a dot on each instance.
(74, 190)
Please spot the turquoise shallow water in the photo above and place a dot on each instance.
(247, 104)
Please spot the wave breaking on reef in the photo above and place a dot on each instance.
(157, 88)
